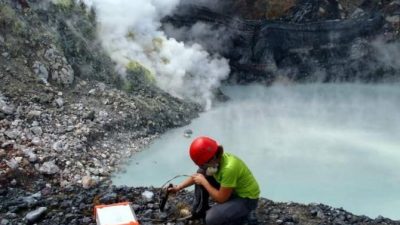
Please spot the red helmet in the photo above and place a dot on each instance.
(202, 150)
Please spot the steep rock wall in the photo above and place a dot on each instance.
(310, 41)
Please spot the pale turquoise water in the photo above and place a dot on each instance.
(337, 144)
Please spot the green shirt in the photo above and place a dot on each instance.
(233, 173)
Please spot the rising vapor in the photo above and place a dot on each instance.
(131, 31)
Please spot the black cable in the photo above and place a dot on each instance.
(165, 197)
(177, 176)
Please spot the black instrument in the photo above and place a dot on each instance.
(165, 198)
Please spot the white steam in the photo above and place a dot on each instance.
(387, 53)
(130, 31)
(210, 37)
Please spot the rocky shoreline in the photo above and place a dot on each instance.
(67, 122)
(75, 137)
(43, 203)
(57, 157)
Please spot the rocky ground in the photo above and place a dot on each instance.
(67, 122)
(43, 203)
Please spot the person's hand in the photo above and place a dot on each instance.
(173, 189)
(199, 178)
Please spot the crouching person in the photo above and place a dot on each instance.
(223, 177)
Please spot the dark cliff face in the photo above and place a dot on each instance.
(306, 40)
(294, 10)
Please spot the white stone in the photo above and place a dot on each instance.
(36, 214)
(13, 164)
(58, 146)
(92, 91)
(8, 143)
(393, 19)
(32, 157)
(59, 102)
(36, 141)
(88, 182)
(49, 168)
(34, 113)
(147, 195)
(12, 134)
(37, 130)
(7, 109)
(41, 71)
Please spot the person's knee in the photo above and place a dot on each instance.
(231, 212)
(213, 217)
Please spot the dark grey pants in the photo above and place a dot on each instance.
(234, 211)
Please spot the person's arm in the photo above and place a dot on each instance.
(220, 195)
(186, 183)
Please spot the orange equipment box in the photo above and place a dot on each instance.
(115, 214)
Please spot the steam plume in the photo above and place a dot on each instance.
(130, 31)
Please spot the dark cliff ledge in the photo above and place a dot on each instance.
(313, 48)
